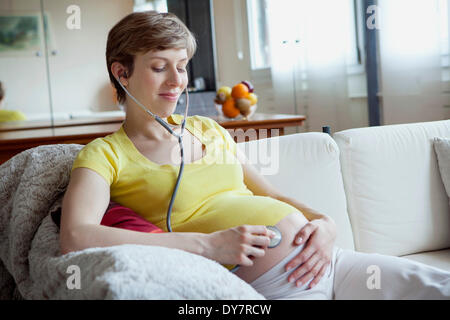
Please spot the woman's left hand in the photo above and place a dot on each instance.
(312, 262)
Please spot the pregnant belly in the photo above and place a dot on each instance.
(289, 227)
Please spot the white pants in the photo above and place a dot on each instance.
(354, 275)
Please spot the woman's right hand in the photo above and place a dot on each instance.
(239, 244)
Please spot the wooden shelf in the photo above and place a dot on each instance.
(47, 124)
(15, 140)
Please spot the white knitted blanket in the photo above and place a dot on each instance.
(32, 185)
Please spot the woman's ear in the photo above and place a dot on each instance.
(119, 72)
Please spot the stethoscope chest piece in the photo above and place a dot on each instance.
(275, 241)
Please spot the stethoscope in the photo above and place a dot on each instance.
(275, 241)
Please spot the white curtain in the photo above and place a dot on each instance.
(309, 41)
(413, 47)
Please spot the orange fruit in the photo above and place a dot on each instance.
(239, 91)
(229, 109)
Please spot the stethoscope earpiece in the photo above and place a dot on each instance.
(122, 76)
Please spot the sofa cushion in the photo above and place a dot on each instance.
(396, 200)
(442, 148)
(305, 166)
(439, 259)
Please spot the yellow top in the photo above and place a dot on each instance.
(11, 115)
(211, 196)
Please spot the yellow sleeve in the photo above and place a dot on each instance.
(230, 144)
(98, 156)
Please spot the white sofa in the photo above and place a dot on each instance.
(381, 185)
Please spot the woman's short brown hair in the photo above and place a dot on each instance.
(140, 32)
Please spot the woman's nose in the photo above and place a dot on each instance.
(175, 78)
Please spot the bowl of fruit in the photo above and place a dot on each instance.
(236, 102)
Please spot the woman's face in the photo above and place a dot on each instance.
(158, 79)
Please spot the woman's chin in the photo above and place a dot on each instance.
(166, 115)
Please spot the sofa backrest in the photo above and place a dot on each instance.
(305, 166)
(395, 196)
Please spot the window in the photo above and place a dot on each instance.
(444, 9)
(259, 42)
(145, 5)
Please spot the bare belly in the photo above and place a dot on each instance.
(289, 227)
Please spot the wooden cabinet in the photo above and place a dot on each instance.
(15, 138)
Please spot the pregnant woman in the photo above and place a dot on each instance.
(223, 204)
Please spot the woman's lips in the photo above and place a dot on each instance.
(169, 96)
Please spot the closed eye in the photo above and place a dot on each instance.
(181, 70)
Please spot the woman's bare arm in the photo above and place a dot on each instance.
(86, 199)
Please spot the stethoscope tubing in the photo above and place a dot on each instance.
(180, 141)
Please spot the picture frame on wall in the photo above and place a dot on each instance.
(21, 34)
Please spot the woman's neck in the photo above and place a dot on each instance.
(140, 125)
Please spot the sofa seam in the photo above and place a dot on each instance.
(350, 203)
